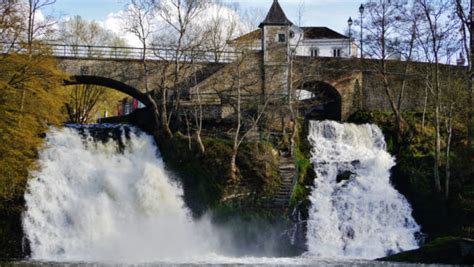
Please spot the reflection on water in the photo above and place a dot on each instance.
(227, 262)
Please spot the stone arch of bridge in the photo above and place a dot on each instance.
(109, 83)
(319, 100)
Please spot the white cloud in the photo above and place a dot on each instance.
(212, 13)
(114, 23)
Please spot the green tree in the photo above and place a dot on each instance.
(30, 101)
(24, 120)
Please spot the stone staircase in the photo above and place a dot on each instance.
(287, 172)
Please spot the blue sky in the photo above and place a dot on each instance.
(330, 13)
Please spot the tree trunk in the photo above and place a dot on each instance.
(425, 105)
(199, 141)
(471, 89)
(438, 129)
(164, 114)
(398, 116)
(199, 114)
(235, 148)
(233, 165)
(449, 129)
(290, 105)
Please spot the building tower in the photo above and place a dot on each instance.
(275, 46)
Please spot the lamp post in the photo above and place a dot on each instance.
(361, 11)
(349, 22)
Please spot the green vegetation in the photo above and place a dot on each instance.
(30, 102)
(304, 166)
(205, 175)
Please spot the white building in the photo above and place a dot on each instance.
(305, 41)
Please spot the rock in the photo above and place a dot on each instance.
(445, 250)
(343, 176)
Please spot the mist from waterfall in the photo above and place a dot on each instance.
(109, 200)
(355, 211)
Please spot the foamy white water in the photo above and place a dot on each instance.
(363, 217)
(88, 202)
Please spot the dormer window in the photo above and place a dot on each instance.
(282, 38)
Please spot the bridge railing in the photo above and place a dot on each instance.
(131, 53)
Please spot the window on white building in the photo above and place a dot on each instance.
(336, 52)
(314, 52)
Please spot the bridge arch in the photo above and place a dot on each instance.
(320, 100)
(109, 83)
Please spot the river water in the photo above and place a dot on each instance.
(104, 198)
(218, 261)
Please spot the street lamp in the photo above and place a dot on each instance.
(349, 22)
(361, 11)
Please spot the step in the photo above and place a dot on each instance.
(286, 166)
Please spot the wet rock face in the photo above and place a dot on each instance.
(12, 243)
(447, 250)
(105, 132)
(343, 176)
(299, 217)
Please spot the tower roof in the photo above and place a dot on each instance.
(276, 16)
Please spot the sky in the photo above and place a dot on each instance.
(330, 13)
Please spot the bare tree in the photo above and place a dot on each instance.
(35, 27)
(83, 99)
(178, 16)
(246, 121)
(436, 32)
(138, 21)
(382, 43)
(76, 32)
(292, 101)
(222, 26)
(452, 103)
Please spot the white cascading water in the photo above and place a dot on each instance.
(362, 217)
(89, 202)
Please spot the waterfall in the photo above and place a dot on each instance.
(355, 211)
(108, 200)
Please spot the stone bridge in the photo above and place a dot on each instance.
(109, 66)
(335, 88)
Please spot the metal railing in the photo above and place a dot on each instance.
(130, 53)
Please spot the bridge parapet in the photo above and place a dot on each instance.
(154, 53)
